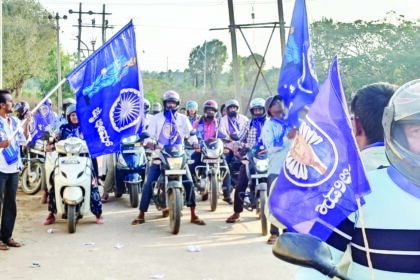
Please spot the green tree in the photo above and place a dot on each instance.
(369, 51)
(28, 36)
(213, 55)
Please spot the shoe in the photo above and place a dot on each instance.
(233, 219)
(272, 239)
(50, 219)
(105, 197)
(99, 220)
(228, 200)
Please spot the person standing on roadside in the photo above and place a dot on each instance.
(10, 164)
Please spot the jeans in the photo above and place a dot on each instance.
(8, 210)
(147, 189)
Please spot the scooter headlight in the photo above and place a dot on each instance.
(261, 165)
(72, 148)
(175, 163)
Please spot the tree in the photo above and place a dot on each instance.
(213, 55)
(28, 37)
(369, 51)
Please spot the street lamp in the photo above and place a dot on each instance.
(60, 94)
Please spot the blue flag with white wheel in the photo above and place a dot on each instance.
(109, 93)
(298, 82)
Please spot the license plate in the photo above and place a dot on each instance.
(208, 160)
(70, 161)
(130, 152)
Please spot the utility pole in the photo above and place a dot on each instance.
(60, 93)
(232, 28)
(282, 26)
(80, 25)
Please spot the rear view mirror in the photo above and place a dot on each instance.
(193, 132)
(308, 251)
(144, 135)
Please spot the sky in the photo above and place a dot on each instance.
(167, 30)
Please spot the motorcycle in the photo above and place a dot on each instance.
(210, 176)
(33, 173)
(308, 251)
(130, 166)
(72, 179)
(256, 162)
(168, 190)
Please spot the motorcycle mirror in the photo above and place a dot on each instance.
(308, 251)
(193, 132)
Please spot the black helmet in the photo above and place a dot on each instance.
(173, 96)
(20, 109)
(146, 104)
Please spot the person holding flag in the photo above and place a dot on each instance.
(168, 127)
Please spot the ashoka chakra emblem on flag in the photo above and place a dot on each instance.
(126, 110)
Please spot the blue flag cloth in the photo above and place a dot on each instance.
(109, 92)
(298, 83)
(322, 174)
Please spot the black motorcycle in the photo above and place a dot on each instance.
(168, 190)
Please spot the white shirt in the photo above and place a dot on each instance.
(6, 132)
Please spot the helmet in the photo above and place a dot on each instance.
(156, 108)
(70, 109)
(48, 102)
(270, 102)
(68, 101)
(403, 109)
(257, 103)
(173, 96)
(232, 102)
(21, 108)
(191, 105)
(210, 104)
(146, 104)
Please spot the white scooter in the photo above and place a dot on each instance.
(72, 180)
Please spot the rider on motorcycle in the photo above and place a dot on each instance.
(168, 127)
(252, 136)
(63, 118)
(231, 125)
(192, 108)
(72, 129)
(156, 108)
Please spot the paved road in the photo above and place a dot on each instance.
(118, 250)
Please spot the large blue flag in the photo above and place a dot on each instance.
(298, 83)
(322, 175)
(109, 92)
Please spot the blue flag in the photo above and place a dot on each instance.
(298, 83)
(109, 92)
(322, 174)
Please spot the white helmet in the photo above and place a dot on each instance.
(403, 109)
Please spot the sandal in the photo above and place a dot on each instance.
(138, 221)
(272, 239)
(12, 243)
(228, 200)
(205, 196)
(165, 212)
(104, 198)
(198, 221)
(50, 219)
(3, 247)
(232, 219)
(99, 220)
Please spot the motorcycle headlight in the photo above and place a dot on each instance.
(212, 153)
(72, 148)
(261, 165)
(175, 163)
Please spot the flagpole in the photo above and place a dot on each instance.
(362, 222)
(40, 104)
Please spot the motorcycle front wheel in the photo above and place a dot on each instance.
(263, 215)
(134, 195)
(71, 218)
(32, 182)
(175, 207)
(214, 192)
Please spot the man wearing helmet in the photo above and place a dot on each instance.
(389, 213)
(231, 125)
(63, 118)
(168, 127)
(156, 108)
(251, 134)
(192, 108)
